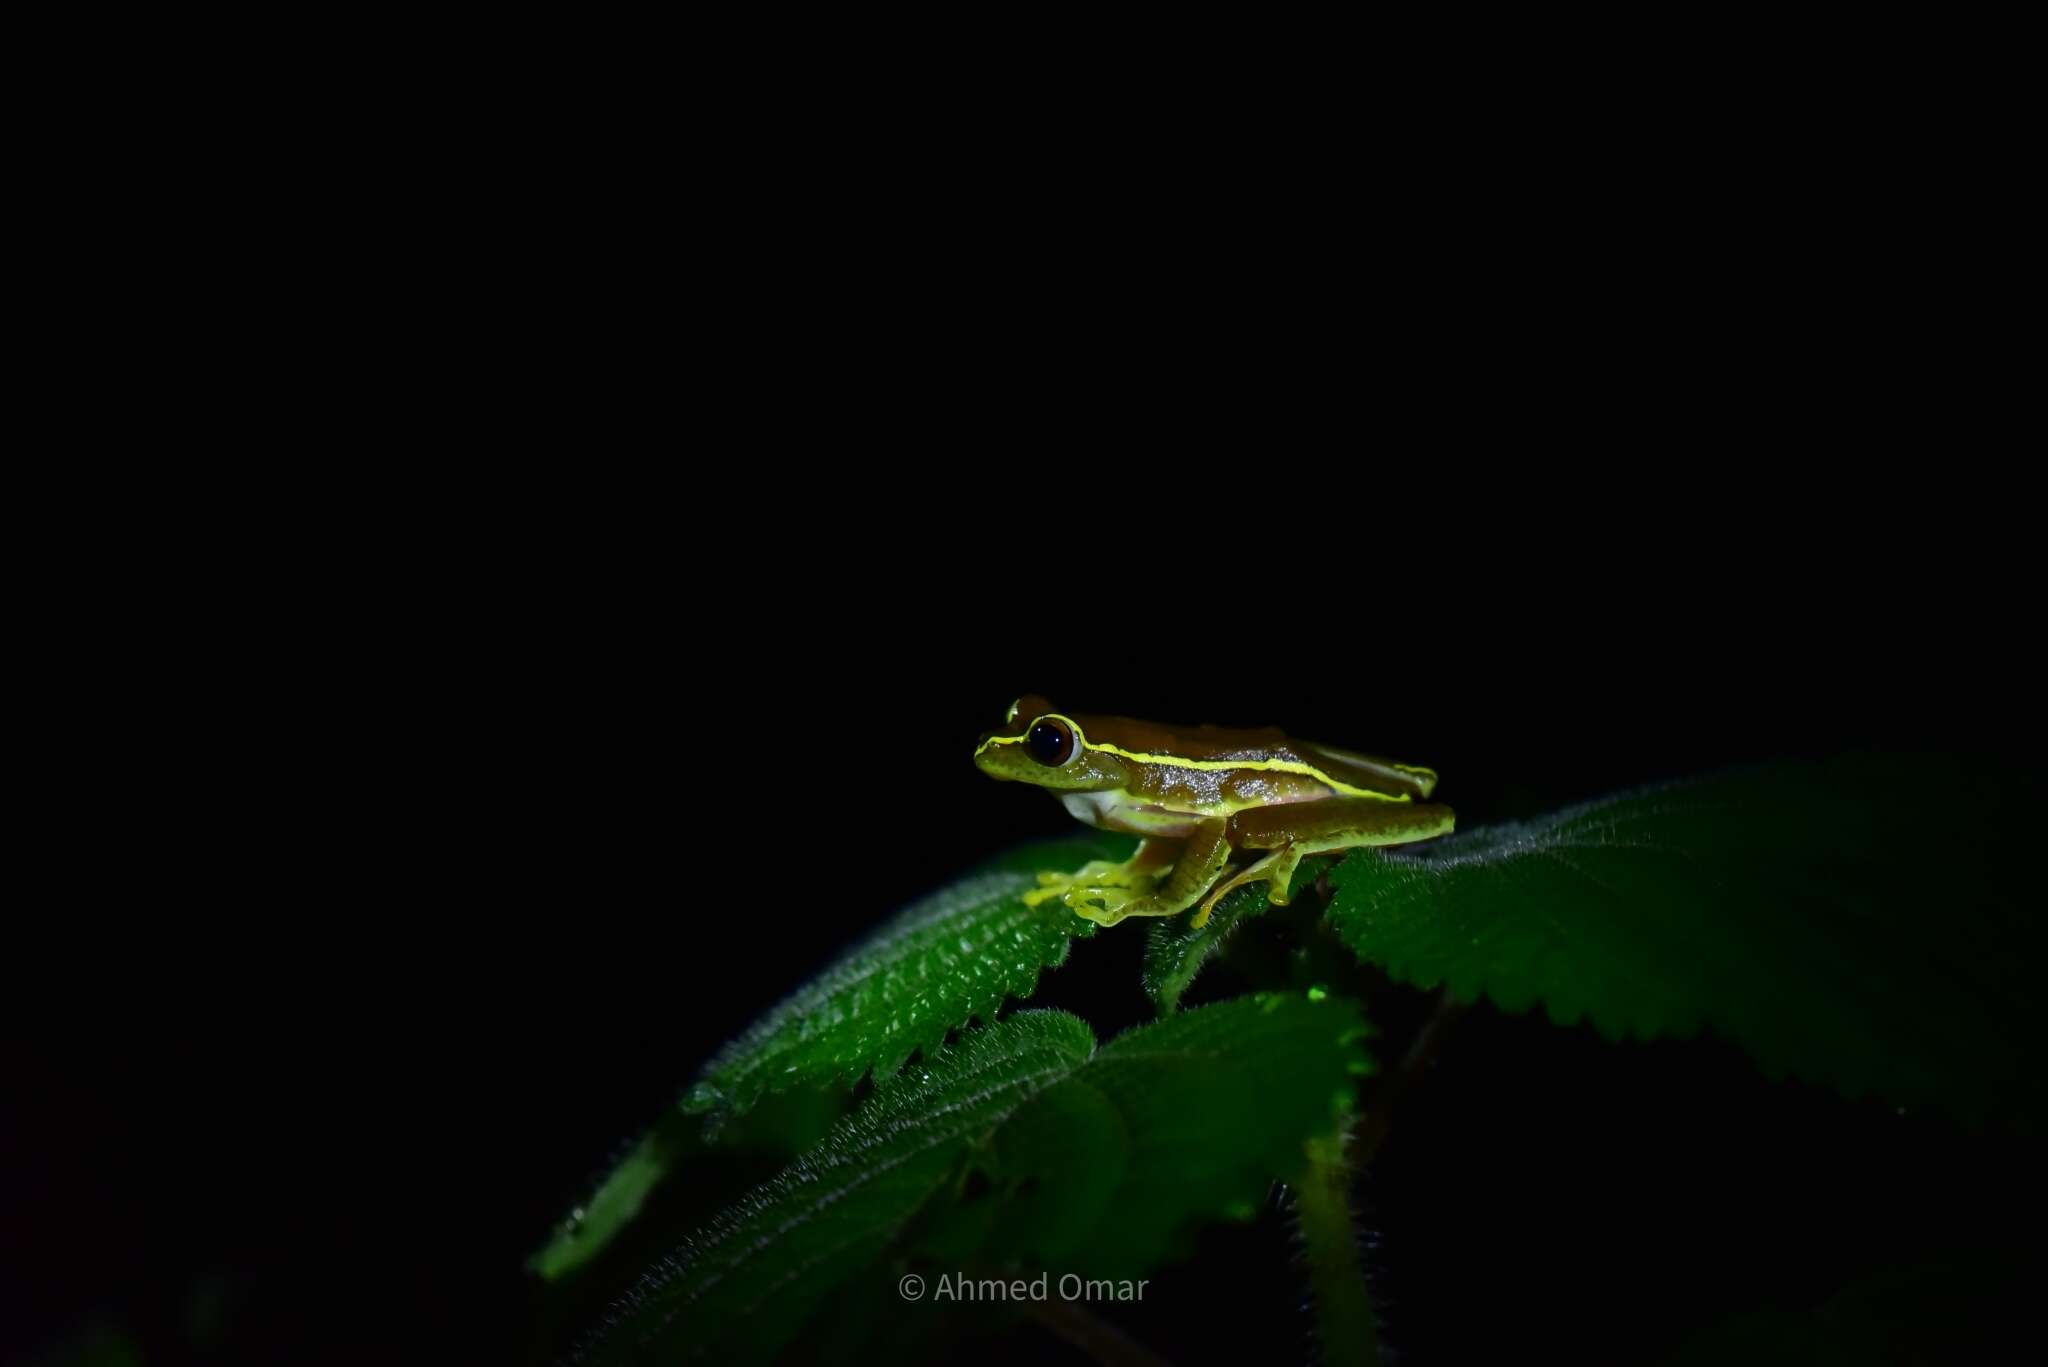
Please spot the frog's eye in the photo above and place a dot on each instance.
(1050, 741)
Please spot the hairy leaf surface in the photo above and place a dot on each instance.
(956, 956)
(1856, 922)
(1105, 1161)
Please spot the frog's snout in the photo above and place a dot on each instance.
(985, 756)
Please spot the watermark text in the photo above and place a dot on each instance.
(953, 1286)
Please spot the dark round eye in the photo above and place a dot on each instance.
(1051, 741)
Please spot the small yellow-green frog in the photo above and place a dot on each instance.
(1199, 795)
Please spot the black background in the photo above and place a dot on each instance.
(424, 833)
(463, 897)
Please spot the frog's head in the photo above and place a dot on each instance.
(1040, 746)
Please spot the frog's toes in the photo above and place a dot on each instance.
(1098, 890)
(1104, 906)
(1108, 914)
(1096, 871)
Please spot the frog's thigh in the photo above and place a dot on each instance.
(1203, 856)
(1338, 823)
(1303, 828)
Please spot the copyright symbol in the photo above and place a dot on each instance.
(911, 1287)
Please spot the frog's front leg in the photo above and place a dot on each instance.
(1111, 884)
(1319, 828)
(1200, 859)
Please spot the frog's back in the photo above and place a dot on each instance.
(1258, 745)
(1187, 742)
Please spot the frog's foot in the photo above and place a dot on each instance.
(1104, 906)
(1103, 903)
(1276, 870)
(1094, 881)
(1094, 874)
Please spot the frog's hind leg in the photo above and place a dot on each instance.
(1276, 869)
(1202, 857)
(1297, 829)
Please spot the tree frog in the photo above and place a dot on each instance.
(1198, 795)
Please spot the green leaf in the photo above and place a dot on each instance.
(1175, 950)
(954, 957)
(607, 1210)
(1856, 922)
(741, 1287)
(1098, 1163)
(1176, 1123)
(777, 1129)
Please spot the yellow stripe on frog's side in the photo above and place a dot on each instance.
(1270, 766)
(1420, 772)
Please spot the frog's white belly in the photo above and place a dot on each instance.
(1115, 812)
